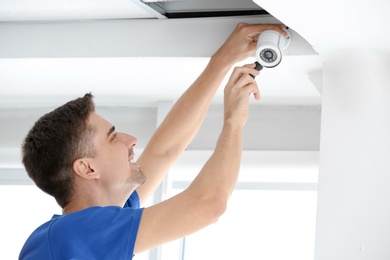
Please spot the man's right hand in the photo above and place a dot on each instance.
(237, 92)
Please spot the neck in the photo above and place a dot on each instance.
(77, 205)
(72, 207)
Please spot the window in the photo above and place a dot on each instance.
(259, 224)
(271, 214)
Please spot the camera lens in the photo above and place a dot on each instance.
(268, 55)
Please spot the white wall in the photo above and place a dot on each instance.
(354, 184)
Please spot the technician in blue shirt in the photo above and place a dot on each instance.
(78, 157)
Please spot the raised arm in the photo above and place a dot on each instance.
(186, 116)
(205, 199)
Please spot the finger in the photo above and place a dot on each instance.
(259, 28)
(245, 80)
(277, 27)
(280, 28)
(238, 72)
(248, 85)
(255, 66)
(235, 76)
(253, 88)
(256, 92)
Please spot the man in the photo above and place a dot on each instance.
(79, 158)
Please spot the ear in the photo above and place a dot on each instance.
(83, 167)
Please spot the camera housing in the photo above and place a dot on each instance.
(270, 47)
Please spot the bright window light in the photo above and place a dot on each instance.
(272, 225)
(27, 207)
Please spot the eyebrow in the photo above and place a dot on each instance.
(112, 129)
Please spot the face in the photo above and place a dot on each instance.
(113, 160)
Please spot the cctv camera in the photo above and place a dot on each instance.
(270, 46)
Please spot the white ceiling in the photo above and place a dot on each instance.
(53, 51)
(120, 77)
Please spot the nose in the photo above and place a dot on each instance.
(128, 140)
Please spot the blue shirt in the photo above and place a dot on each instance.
(93, 233)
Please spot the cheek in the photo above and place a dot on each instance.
(120, 157)
(111, 155)
(117, 151)
(113, 159)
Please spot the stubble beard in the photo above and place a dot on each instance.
(137, 176)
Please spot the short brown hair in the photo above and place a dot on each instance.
(55, 141)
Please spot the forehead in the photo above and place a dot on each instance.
(99, 123)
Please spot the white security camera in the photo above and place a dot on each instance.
(270, 47)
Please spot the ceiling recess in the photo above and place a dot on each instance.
(211, 8)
